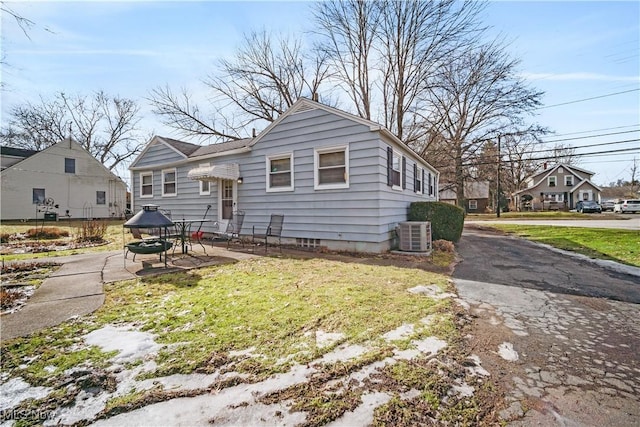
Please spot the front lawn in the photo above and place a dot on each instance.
(535, 215)
(617, 245)
(347, 323)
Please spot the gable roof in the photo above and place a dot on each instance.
(16, 152)
(77, 145)
(191, 151)
(571, 168)
(472, 190)
(305, 104)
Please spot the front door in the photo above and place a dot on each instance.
(226, 198)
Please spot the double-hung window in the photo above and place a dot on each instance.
(205, 186)
(331, 166)
(419, 177)
(69, 165)
(552, 181)
(38, 195)
(568, 180)
(396, 171)
(169, 183)
(101, 197)
(280, 172)
(146, 184)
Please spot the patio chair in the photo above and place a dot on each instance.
(274, 229)
(233, 229)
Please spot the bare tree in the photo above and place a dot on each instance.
(105, 126)
(475, 97)
(265, 77)
(562, 153)
(348, 30)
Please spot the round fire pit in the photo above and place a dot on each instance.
(149, 246)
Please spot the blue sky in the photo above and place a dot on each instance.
(570, 50)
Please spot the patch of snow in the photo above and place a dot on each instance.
(406, 354)
(477, 369)
(131, 345)
(430, 345)
(343, 353)
(464, 390)
(86, 407)
(17, 390)
(506, 351)
(326, 339)
(363, 414)
(399, 333)
(432, 291)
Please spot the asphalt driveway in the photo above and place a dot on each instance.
(558, 332)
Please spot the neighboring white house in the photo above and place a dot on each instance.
(67, 174)
(342, 182)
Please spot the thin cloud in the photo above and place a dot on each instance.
(579, 77)
(122, 52)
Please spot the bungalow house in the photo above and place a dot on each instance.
(476, 194)
(64, 174)
(557, 188)
(342, 182)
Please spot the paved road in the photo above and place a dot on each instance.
(631, 223)
(561, 334)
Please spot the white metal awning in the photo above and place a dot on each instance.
(211, 173)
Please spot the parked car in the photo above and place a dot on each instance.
(627, 205)
(608, 205)
(588, 206)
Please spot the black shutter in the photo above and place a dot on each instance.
(404, 172)
(430, 190)
(415, 177)
(423, 183)
(389, 166)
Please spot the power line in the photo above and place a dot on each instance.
(596, 130)
(588, 136)
(588, 99)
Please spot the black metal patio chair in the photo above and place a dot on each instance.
(274, 229)
(232, 230)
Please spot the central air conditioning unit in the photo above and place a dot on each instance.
(415, 236)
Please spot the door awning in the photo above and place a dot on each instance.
(211, 173)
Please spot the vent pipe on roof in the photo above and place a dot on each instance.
(253, 132)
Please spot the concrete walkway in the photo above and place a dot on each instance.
(76, 289)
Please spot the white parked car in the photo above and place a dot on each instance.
(628, 205)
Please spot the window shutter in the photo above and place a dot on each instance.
(389, 166)
(415, 177)
(430, 188)
(423, 183)
(404, 172)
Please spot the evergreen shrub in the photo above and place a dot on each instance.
(446, 220)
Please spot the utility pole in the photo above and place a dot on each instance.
(498, 182)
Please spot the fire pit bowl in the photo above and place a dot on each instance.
(149, 246)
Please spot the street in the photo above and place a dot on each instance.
(559, 333)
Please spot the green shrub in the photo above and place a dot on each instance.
(46, 233)
(446, 220)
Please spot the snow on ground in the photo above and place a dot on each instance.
(17, 390)
(506, 351)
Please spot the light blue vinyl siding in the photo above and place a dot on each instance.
(361, 217)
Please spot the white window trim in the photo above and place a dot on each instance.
(268, 160)
(419, 178)
(316, 162)
(473, 205)
(566, 179)
(146, 196)
(400, 156)
(176, 182)
(202, 192)
(555, 179)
